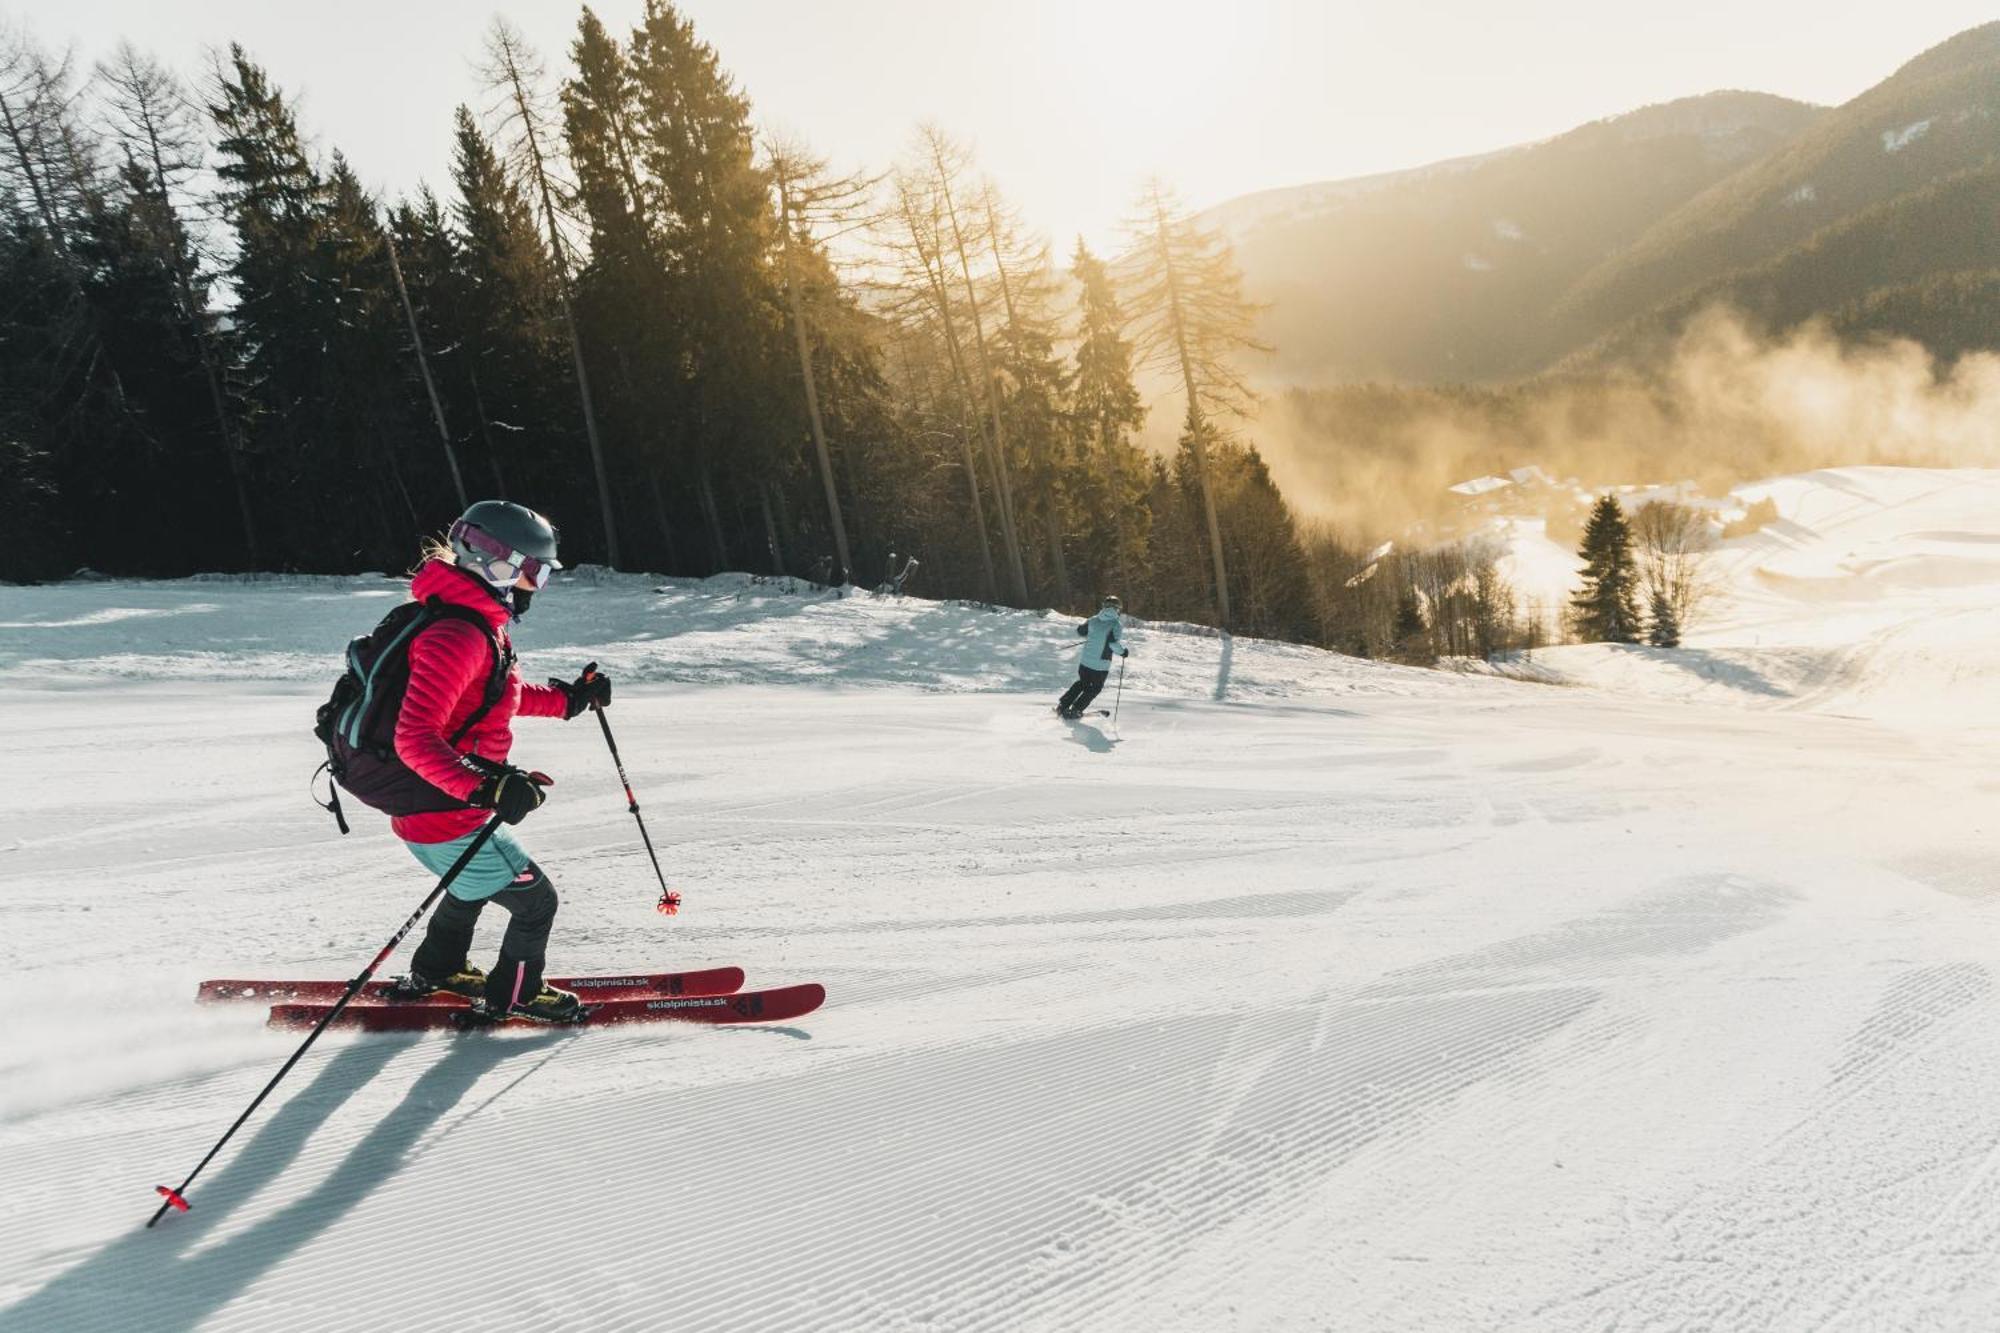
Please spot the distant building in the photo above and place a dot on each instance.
(1480, 487)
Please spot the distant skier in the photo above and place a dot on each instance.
(1103, 636)
(500, 555)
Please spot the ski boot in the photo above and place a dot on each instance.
(549, 1005)
(468, 981)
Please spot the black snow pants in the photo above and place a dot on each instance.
(517, 977)
(1089, 681)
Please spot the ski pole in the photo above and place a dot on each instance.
(177, 1197)
(670, 902)
(1118, 696)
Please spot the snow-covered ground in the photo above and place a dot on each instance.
(1876, 594)
(1311, 994)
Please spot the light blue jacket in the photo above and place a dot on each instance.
(1102, 638)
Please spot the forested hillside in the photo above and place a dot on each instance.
(682, 337)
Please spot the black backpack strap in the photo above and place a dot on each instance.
(332, 802)
(496, 680)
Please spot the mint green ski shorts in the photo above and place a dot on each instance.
(501, 864)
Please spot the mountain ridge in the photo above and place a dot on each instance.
(1597, 245)
(1424, 275)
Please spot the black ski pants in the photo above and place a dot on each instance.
(531, 913)
(1089, 682)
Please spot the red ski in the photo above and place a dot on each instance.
(757, 1006)
(637, 985)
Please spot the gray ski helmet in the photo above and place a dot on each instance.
(488, 534)
(1111, 600)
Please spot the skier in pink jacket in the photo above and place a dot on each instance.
(500, 555)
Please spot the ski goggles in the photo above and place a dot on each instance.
(499, 563)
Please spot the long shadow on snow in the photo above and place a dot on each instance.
(1237, 907)
(1261, 705)
(153, 1280)
(1733, 674)
(1088, 736)
(1720, 670)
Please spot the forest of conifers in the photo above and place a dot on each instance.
(690, 343)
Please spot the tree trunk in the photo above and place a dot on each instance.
(713, 515)
(941, 293)
(396, 475)
(1037, 452)
(232, 454)
(771, 531)
(231, 451)
(43, 203)
(611, 554)
(997, 442)
(382, 518)
(812, 388)
(424, 365)
(660, 517)
(1197, 428)
(486, 431)
(784, 513)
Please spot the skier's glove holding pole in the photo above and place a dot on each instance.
(511, 793)
(592, 689)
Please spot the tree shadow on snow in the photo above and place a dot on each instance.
(175, 1277)
(1719, 670)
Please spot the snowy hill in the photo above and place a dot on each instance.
(1876, 594)
(1312, 993)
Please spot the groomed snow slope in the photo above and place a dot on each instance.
(1313, 994)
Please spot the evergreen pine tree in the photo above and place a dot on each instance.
(1493, 605)
(1107, 404)
(1267, 566)
(1192, 319)
(515, 73)
(155, 124)
(636, 356)
(1604, 610)
(508, 372)
(1666, 627)
(1034, 386)
(714, 222)
(272, 196)
(1106, 472)
(128, 477)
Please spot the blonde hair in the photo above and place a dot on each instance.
(434, 548)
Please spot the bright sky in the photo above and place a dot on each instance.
(1070, 103)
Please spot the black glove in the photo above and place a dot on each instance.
(592, 687)
(1124, 652)
(511, 793)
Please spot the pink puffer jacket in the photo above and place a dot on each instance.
(449, 666)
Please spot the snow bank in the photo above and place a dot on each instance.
(731, 629)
